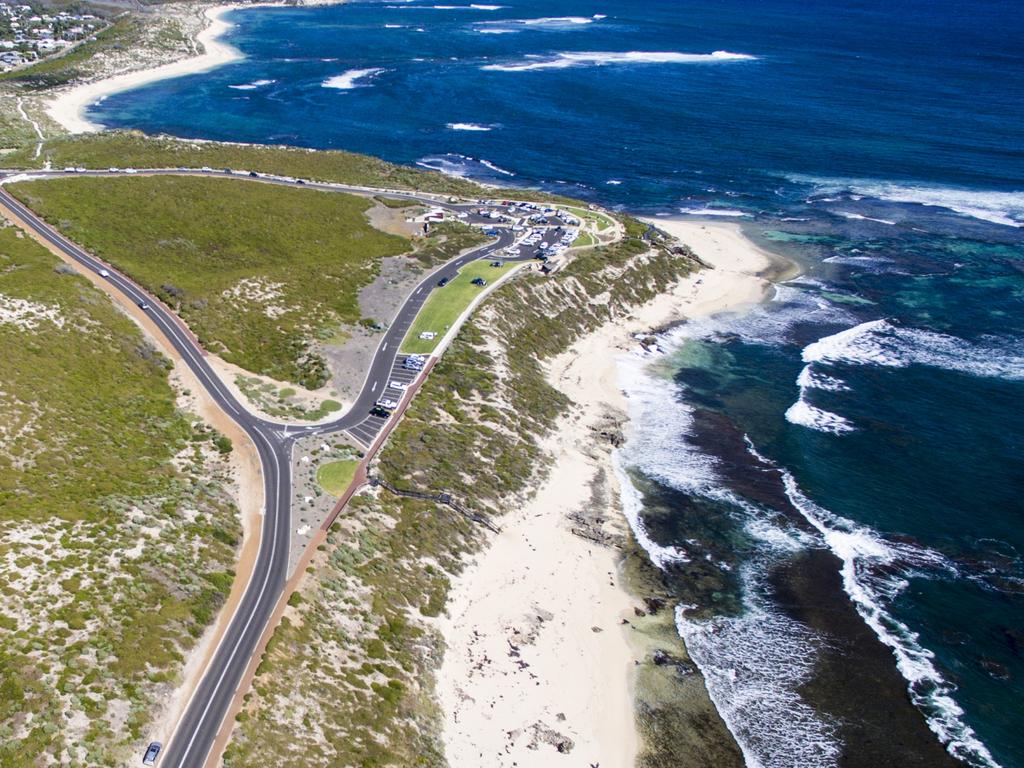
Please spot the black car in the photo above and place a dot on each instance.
(254, 174)
(380, 412)
(497, 264)
(479, 281)
(299, 181)
(442, 282)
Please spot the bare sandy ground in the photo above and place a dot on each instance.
(537, 652)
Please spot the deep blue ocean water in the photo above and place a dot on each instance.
(879, 144)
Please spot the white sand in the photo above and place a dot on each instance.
(578, 682)
(68, 107)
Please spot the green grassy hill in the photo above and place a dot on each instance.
(257, 271)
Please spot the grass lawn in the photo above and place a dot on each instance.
(599, 220)
(256, 271)
(446, 304)
(584, 239)
(334, 477)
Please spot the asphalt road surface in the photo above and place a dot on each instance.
(194, 736)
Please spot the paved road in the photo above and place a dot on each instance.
(198, 727)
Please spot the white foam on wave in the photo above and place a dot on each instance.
(997, 207)
(861, 217)
(862, 552)
(554, 23)
(460, 166)
(350, 79)
(706, 211)
(753, 665)
(253, 85)
(468, 127)
(495, 168)
(803, 414)
(569, 59)
(878, 342)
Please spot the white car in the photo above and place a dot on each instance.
(104, 273)
(401, 386)
(387, 403)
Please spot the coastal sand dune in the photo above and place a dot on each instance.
(538, 664)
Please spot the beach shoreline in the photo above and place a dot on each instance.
(542, 647)
(68, 106)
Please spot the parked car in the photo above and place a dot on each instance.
(387, 403)
(479, 281)
(401, 386)
(151, 753)
(497, 264)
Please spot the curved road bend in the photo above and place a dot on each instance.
(198, 727)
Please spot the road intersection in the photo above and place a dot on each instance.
(198, 727)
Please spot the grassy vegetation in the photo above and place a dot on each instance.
(395, 202)
(282, 403)
(348, 680)
(598, 219)
(445, 241)
(334, 477)
(116, 533)
(132, 149)
(60, 70)
(256, 271)
(446, 304)
(584, 239)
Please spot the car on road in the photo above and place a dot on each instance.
(151, 753)
(144, 305)
(442, 282)
(254, 174)
(478, 281)
(104, 273)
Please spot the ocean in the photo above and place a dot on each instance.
(838, 467)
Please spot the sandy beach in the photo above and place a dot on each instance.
(68, 107)
(539, 655)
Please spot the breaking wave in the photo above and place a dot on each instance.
(462, 166)
(867, 563)
(753, 665)
(569, 59)
(468, 127)
(253, 85)
(350, 79)
(878, 342)
(1005, 208)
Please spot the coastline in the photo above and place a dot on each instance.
(541, 632)
(68, 107)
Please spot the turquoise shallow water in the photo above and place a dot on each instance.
(878, 396)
